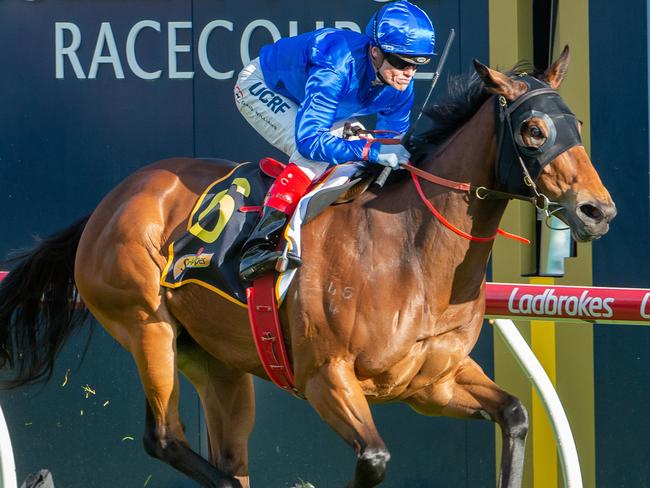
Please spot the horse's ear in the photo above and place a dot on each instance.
(499, 83)
(555, 73)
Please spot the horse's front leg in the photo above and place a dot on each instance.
(336, 395)
(469, 393)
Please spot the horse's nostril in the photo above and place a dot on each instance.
(592, 212)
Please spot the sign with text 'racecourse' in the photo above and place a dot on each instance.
(68, 37)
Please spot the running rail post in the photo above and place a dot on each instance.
(7, 465)
(566, 447)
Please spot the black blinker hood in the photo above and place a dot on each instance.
(542, 102)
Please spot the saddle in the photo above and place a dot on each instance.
(337, 195)
(223, 218)
(208, 253)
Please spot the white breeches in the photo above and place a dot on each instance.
(274, 117)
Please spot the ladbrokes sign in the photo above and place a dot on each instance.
(568, 302)
(548, 303)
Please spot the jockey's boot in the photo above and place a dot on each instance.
(259, 254)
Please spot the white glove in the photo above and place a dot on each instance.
(393, 155)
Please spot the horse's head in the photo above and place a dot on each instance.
(538, 132)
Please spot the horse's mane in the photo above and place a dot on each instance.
(464, 96)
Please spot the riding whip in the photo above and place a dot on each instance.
(381, 179)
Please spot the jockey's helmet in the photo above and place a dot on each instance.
(400, 28)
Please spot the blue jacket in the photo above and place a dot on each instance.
(329, 74)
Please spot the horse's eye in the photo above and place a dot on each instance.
(536, 132)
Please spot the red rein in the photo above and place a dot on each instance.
(466, 187)
(448, 224)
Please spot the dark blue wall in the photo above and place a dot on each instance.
(619, 135)
(65, 142)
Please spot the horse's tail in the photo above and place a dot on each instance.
(39, 309)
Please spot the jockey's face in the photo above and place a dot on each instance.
(397, 77)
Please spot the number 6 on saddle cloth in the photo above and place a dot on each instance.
(209, 252)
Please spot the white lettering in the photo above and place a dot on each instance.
(344, 24)
(538, 303)
(105, 38)
(548, 304)
(572, 302)
(130, 50)
(551, 307)
(596, 306)
(645, 313)
(511, 301)
(68, 38)
(244, 46)
(203, 50)
(293, 28)
(175, 48)
(70, 51)
(606, 305)
(582, 304)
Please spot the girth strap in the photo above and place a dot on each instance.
(267, 332)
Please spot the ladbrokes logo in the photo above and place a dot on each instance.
(198, 260)
(549, 304)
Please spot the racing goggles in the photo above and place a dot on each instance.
(404, 62)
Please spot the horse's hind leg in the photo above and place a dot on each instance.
(228, 401)
(471, 394)
(336, 395)
(151, 339)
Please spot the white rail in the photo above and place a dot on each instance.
(7, 465)
(566, 446)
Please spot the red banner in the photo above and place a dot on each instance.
(568, 302)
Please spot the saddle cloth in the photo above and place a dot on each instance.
(208, 254)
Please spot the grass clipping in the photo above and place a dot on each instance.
(303, 484)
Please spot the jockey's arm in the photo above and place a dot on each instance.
(316, 116)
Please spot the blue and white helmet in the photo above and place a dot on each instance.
(403, 29)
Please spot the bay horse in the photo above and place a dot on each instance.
(387, 306)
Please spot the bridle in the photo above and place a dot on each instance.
(517, 165)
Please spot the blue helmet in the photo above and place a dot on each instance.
(403, 29)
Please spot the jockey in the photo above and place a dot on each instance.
(303, 87)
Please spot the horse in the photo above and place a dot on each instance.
(387, 306)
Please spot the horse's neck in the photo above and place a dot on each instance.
(468, 156)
